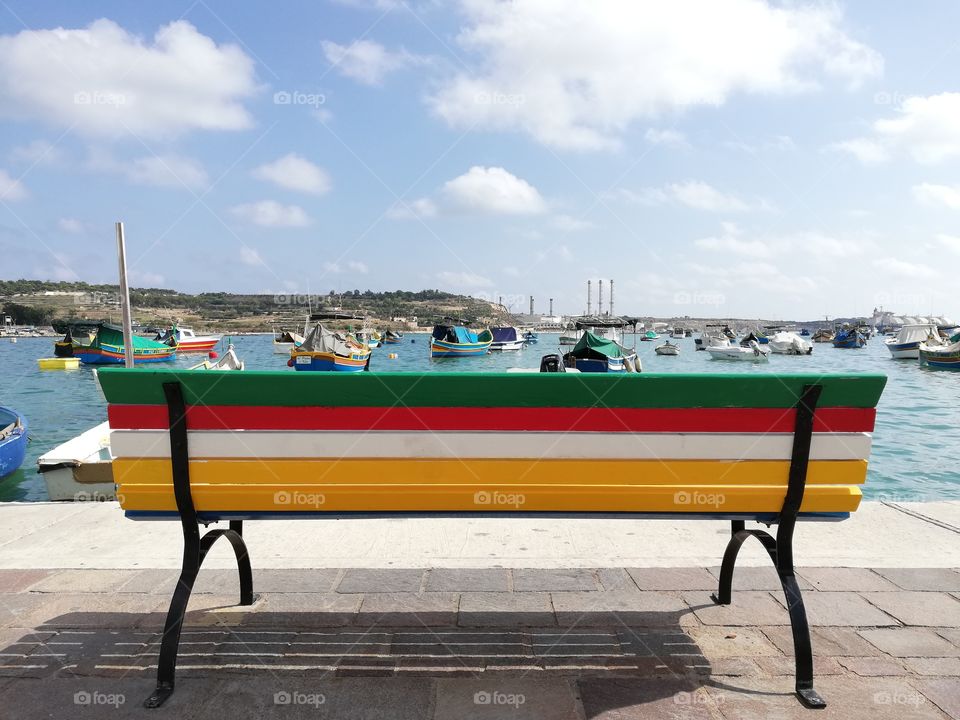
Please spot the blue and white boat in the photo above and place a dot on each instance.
(906, 345)
(594, 354)
(506, 338)
(13, 440)
(849, 337)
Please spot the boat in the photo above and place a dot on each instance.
(823, 335)
(714, 334)
(80, 469)
(649, 336)
(452, 340)
(667, 349)
(787, 342)
(59, 363)
(369, 337)
(804, 332)
(185, 340)
(392, 338)
(284, 341)
(14, 432)
(751, 352)
(596, 354)
(227, 361)
(677, 333)
(327, 351)
(849, 337)
(939, 354)
(906, 345)
(106, 347)
(531, 337)
(506, 338)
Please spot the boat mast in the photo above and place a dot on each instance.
(125, 299)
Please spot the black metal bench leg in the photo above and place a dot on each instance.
(802, 648)
(195, 549)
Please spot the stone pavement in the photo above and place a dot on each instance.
(480, 643)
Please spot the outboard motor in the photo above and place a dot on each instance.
(551, 364)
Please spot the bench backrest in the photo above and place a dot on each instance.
(282, 442)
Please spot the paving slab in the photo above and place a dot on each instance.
(949, 666)
(90, 610)
(873, 666)
(12, 581)
(271, 580)
(615, 579)
(151, 580)
(763, 577)
(467, 647)
(407, 609)
(932, 609)
(500, 697)
(910, 642)
(541, 580)
(944, 693)
(361, 580)
(844, 609)
(827, 641)
(468, 580)
(780, 665)
(750, 608)
(83, 581)
(657, 642)
(305, 610)
(929, 579)
(716, 642)
(614, 699)
(492, 609)
(674, 579)
(837, 579)
(619, 608)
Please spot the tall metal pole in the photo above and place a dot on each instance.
(599, 297)
(588, 298)
(125, 299)
(611, 297)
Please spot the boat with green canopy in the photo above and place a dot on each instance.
(106, 347)
(593, 353)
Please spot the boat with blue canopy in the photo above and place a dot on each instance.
(13, 440)
(451, 340)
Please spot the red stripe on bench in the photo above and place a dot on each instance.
(740, 420)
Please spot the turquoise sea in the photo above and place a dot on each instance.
(918, 424)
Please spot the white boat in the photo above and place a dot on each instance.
(715, 335)
(906, 345)
(506, 338)
(751, 352)
(284, 342)
(81, 468)
(667, 349)
(369, 337)
(787, 342)
(227, 361)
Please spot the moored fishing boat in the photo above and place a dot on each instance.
(392, 338)
(368, 336)
(667, 348)
(849, 337)
(327, 351)
(714, 335)
(823, 335)
(107, 348)
(906, 345)
(284, 341)
(530, 337)
(786, 342)
(451, 340)
(938, 354)
(14, 431)
(228, 361)
(595, 354)
(506, 338)
(185, 340)
(649, 336)
(80, 469)
(749, 352)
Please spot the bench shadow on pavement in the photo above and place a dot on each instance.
(603, 663)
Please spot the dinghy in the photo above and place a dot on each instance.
(786, 342)
(751, 352)
(667, 349)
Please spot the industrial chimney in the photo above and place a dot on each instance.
(611, 296)
(531, 304)
(551, 307)
(599, 297)
(589, 297)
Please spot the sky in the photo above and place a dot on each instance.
(734, 158)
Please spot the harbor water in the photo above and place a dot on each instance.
(918, 419)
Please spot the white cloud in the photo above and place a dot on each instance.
(295, 173)
(249, 256)
(694, 194)
(366, 61)
(903, 268)
(269, 213)
(357, 267)
(11, 189)
(938, 195)
(70, 225)
(166, 171)
(867, 151)
(950, 242)
(730, 241)
(807, 244)
(463, 280)
(421, 208)
(105, 81)
(670, 138)
(38, 152)
(331, 267)
(493, 191)
(568, 223)
(146, 279)
(578, 74)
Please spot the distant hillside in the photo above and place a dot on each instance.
(36, 302)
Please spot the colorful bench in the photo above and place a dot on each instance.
(211, 447)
